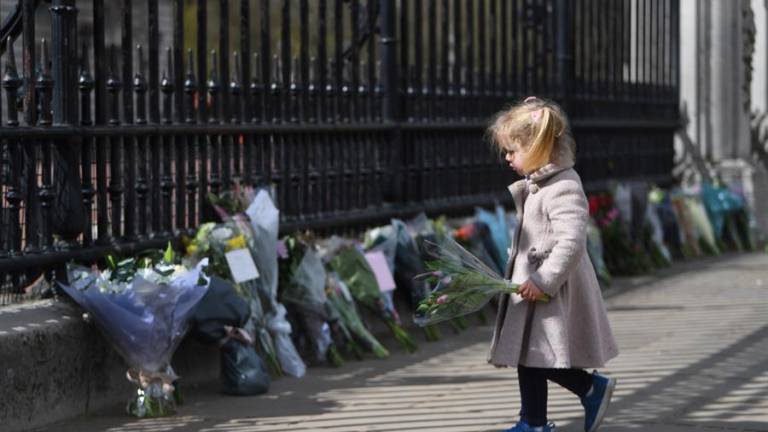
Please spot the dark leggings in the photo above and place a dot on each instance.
(533, 389)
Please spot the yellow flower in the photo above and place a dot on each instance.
(235, 243)
(192, 249)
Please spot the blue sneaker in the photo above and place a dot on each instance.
(522, 426)
(596, 404)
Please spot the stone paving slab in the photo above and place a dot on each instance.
(694, 357)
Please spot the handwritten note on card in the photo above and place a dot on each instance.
(241, 265)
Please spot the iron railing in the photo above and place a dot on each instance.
(352, 111)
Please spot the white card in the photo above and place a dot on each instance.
(241, 265)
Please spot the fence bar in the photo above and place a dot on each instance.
(212, 142)
(265, 54)
(28, 58)
(202, 53)
(178, 58)
(63, 26)
(232, 144)
(493, 46)
(224, 102)
(305, 109)
(166, 183)
(127, 59)
(469, 79)
(565, 74)
(245, 52)
(142, 181)
(430, 107)
(322, 69)
(374, 105)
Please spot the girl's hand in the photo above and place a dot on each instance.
(529, 291)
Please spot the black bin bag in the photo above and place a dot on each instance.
(242, 371)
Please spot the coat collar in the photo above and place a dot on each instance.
(532, 182)
(547, 171)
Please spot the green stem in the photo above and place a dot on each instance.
(402, 336)
(333, 357)
(432, 333)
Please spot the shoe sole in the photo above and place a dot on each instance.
(604, 405)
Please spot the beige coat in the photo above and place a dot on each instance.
(549, 247)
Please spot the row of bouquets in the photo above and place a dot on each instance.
(271, 305)
(275, 305)
(636, 227)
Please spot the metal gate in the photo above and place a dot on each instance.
(354, 111)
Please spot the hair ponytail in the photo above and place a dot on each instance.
(543, 141)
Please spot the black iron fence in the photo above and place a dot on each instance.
(353, 111)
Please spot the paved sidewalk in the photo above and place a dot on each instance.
(694, 357)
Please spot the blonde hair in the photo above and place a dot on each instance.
(536, 126)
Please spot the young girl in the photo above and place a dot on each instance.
(554, 339)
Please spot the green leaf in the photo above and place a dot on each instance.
(169, 256)
(128, 262)
(111, 262)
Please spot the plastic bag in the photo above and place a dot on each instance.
(242, 371)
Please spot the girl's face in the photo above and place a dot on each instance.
(515, 156)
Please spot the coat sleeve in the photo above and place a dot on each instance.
(567, 211)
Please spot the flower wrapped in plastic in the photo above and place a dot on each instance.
(408, 265)
(496, 222)
(595, 252)
(143, 309)
(653, 238)
(698, 234)
(622, 256)
(353, 268)
(257, 207)
(264, 218)
(303, 289)
(228, 247)
(350, 322)
(727, 213)
(464, 284)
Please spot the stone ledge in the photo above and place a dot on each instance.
(55, 366)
